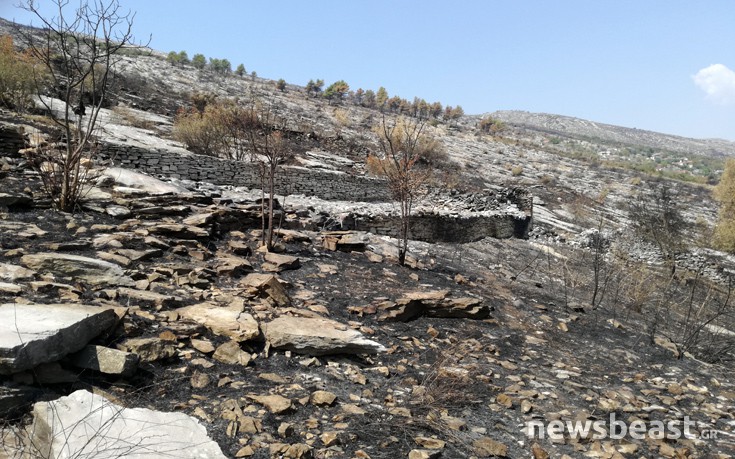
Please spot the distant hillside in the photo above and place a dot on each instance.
(566, 126)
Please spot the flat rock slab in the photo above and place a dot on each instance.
(14, 273)
(32, 334)
(88, 425)
(88, 270)
(317, 336)
(275, 262)
(142, 182)
(229, 321)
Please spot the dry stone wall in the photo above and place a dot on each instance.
(449, 228)
(325, 184)
(12, 140)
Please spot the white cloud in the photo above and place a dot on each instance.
(718, 82)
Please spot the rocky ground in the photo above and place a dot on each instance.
(156, 297)
(327, 348)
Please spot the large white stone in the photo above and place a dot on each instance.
(89, 270)
(31, 334)
(141, 181)
(317, 336)
(88, 425)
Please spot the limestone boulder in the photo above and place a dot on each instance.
(317, 336)
(88, 270)
(110, 430)
(32, 334)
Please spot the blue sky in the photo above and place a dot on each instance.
(661, 65)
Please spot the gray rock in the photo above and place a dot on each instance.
(317, 336)
(105, 360)
(110, 430)
(32, 334)
(89, 270)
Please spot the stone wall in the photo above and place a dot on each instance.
(324, 184)
(12, 140)
(449, 228)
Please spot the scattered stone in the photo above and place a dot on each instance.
(487, 447)
(317, 337)
(239, 248)
(274, 403)
(148, 349)
(430, 443)
(199, 380)
(202, 345)
(231, 354)
(424, 454)
(31, 334)
(285, 430)
(345, 241)
(267, 286)
(322, 398)
(539, 452)
(295, 451)
(329, 438)
(275, 262)
(230, 321)
(105, 360)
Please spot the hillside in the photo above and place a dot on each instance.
(605, 134)
(528, 295)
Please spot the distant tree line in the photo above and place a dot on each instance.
(199, 61)
(338, 92)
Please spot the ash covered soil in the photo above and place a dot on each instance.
(512, 350)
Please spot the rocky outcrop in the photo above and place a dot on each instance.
(32, 334)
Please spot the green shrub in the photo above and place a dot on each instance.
(199, 61)
(725, 195)
(17, 77)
